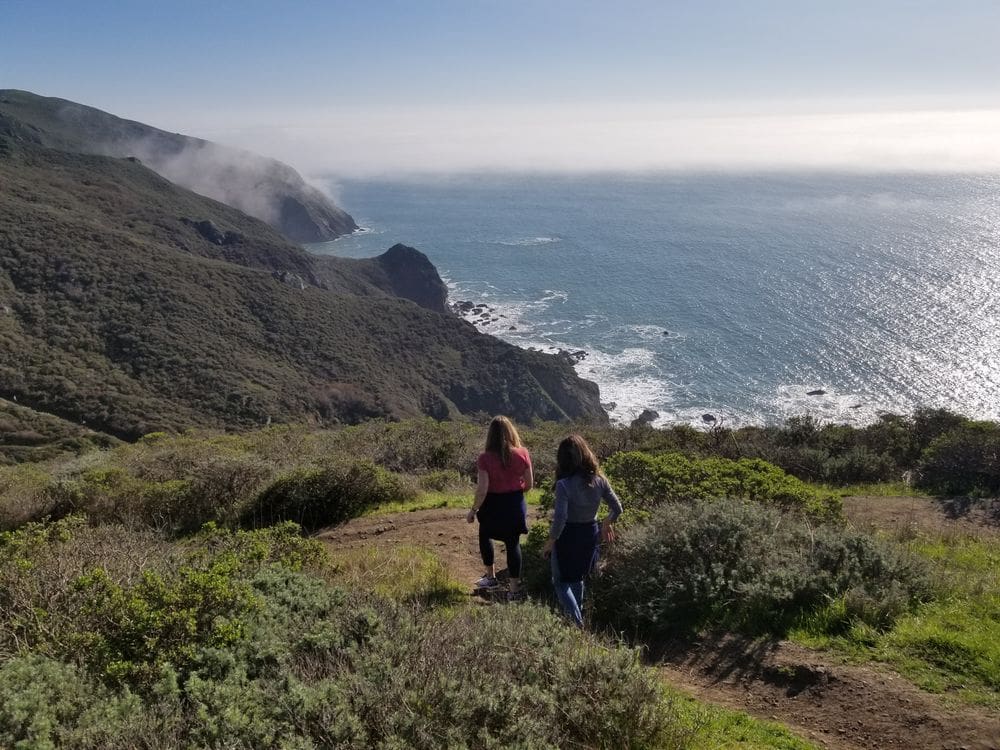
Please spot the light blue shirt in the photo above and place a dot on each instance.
(578, 502)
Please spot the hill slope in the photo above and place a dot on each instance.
(264, 188)
(118, 310)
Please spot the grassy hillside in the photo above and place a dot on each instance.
(117, 312)
(216, 604)
(30, 436)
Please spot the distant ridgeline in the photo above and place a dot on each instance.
(130, 304)
(263, 188)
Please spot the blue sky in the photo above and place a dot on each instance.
(439, 85)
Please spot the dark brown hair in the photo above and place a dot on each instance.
(574, 456)
(501, 437)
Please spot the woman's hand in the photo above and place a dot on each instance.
(607, 532)
(471, 515)
(547, 548)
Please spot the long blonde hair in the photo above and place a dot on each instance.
(501, 437)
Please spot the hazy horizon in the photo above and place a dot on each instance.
(389, 89)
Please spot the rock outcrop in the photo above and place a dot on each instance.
(412, 276)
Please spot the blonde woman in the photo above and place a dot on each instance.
(499, 505)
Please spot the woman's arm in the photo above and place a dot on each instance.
(528, 477)
(560, 512)
(614, 511)
(482, 488)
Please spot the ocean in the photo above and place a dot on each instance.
(751, 297)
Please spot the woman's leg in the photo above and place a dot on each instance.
(565, 593)
(513, 546)
(577, 590)
(486, 550)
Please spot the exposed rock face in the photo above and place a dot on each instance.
(648, 416)
(260, 187)
(212, 233)
(412, 276)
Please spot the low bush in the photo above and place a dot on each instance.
(23, 495)
(231, 640)
(123, 606)
(536, 573)
(744, 566)
(963, 461)
(414, 445)
(644, 481)
(318, 497)
(47, 704)
(444, 480)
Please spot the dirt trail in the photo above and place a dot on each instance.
(845, 707)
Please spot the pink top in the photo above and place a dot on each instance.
(505, 479)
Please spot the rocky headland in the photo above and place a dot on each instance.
(131, 304)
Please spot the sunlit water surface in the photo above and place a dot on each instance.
(729, 295)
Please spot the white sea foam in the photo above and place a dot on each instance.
(628, 379)
(793, 400)
(646, 332)
(529, 241)
(554, 295)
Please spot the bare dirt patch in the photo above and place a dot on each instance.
(445, 532)
(840, 706)
(834, 705)
(902, 516)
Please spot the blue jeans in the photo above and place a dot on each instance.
(570, 595)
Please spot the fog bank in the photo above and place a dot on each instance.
(391, 142)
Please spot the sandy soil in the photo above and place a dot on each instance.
(832, 704)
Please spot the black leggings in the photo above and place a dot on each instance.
(513, 546)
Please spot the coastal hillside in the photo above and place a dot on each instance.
(264, 188)
(129, 304)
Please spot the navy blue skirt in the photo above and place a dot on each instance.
(503, 515)
(577, 549)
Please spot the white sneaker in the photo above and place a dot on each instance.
(486, 582)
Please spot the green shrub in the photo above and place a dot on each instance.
(23, 495)
(414, 445)
(46, 704)
(518, 677)
(644, 481)
(741, 565)
(125, 609)
(315, 498)
(443, 480)
(536, 574)
(963, 461)
(231, 641)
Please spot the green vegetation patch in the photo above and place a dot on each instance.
(325, 496)
(645, 480)
(950, 644)
(400, 572)
(739, 565)
(234, 639)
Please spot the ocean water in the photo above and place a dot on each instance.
(734, 295)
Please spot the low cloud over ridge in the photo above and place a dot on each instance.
(354, 143)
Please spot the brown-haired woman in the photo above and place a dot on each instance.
(574, 535)
(504, 476)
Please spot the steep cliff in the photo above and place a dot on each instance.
(130, 304)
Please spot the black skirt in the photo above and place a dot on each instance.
(503, 515)
(577, 549)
